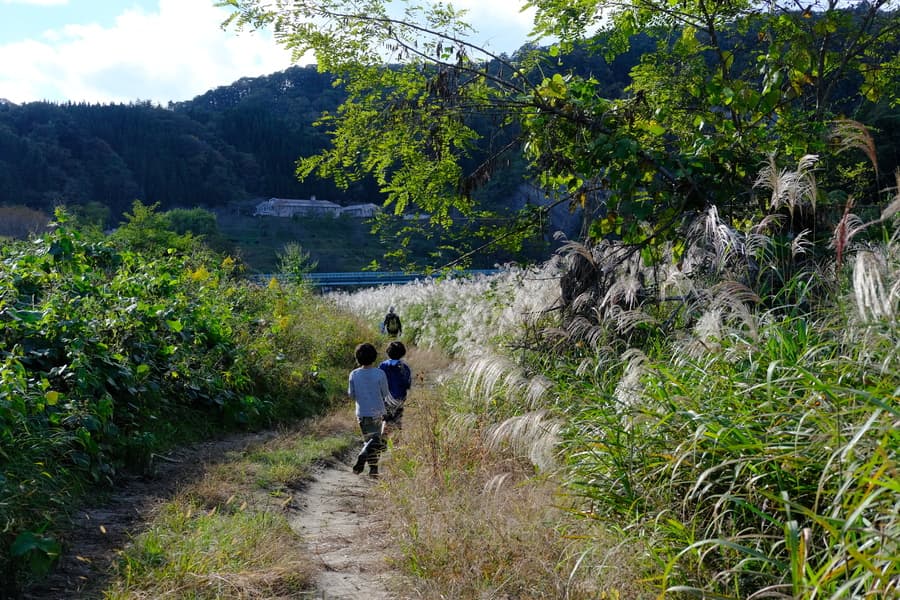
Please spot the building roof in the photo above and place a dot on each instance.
(300, 202)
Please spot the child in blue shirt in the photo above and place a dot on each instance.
(399, 378)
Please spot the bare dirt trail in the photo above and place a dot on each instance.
(335, 514)
(341, 528)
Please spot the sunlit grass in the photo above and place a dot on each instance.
(290, 458)
(460, 316)
(191, 552)
(226, 535)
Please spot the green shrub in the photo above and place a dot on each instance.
(109, 353)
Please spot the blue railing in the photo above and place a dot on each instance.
(367, 278)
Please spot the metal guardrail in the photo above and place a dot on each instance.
(367, 278)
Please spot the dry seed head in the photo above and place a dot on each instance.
(791, 189)
(582, 329)
(709, 326)
(624, 290)
(872, 298)
(853, 134)
(628, 390)
(496, 483)
(489, 376)
(531, 435)
(626, 320)
(768, 223)
(801, 244)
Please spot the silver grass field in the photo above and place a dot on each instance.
(723, 428)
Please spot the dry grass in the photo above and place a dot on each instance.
(285, 458)
(470, 519)
(429, 360)
(459, 315)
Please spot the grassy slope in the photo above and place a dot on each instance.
(338, 244)
(753, 455)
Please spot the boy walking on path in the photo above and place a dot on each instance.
(368, 387)
(399, 378)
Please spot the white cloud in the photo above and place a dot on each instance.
(179, 51)
(500, 24)
(172, 54)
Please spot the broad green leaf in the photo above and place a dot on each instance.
(655, 128)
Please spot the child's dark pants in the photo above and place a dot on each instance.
(374, 443)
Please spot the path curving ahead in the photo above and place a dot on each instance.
(333, 516)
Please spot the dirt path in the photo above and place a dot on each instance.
(332, 517)
(338, 524)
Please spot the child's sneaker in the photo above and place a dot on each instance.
(373, 472)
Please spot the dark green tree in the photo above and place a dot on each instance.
(147, 230)
(725, 85)
(295, 262)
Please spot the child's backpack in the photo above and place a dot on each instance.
(392, 323)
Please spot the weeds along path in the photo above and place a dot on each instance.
(100, 531)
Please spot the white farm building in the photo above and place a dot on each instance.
(290, 207)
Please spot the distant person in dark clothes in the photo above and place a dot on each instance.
(368, 387)
(391, 324)
(399, 377)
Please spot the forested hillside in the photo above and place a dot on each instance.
(229, 144)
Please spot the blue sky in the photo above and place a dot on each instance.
(160, 50)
